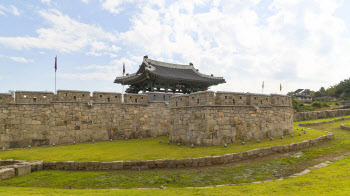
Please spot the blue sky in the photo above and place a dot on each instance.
(301, 44)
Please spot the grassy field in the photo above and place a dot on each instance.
(143, 149)
(254, 170)
(331, 180)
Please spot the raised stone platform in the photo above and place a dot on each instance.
(11, 168)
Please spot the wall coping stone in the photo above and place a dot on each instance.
(186, 162)
(106, 92)
(30, 103)
(252, 106)
(342, 126)
(323, 111)
(229, 92)
(20, 91)
(76, 91)
(258, 94)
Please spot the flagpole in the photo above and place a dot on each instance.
(123, 82)
(55, 83)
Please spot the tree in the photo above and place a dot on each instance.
(307, 91)
(322, 91)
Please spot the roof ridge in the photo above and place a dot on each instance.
(164, 64)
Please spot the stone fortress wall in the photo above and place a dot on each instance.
(209, 119)
(205, 118)
(42, 118)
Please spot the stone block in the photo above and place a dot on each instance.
(195, 162)
(201, 161)
(117, 165)
(128, 164)
(22, 169)
(169, 163)
(187, 162)
(69, 165)
(80, 165)
(7, 173)
(235, 156)
(218, 160)
(92, 165)
(208, 160)
(105, 166)
(179, 163)
(160, 163)
(151, 164)
(49, 165)
(228, 158)
(60, 165)
(36, 166)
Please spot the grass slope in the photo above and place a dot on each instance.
(254, 170)
(142, 149)
(331, 180)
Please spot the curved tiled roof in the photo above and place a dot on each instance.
(169, 71)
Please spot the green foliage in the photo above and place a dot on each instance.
(316, 104)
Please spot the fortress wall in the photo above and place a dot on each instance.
(217, 125)
(258, 99)
(303, 116)
(64, 122)
(34, 97)
(179, 101)
(136, 98)
(5, 98)
(230, 98)
(72, 95)
(107, 97)
(201, 98)
(280, 99)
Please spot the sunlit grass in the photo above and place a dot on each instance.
(144, 149)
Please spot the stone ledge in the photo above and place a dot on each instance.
(185, 162)
(322, 122)
(11, 168)
(345, 127)
(251, 106)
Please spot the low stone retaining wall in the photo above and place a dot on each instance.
(322, 122)
(345, 127)
(11, 168)
(303, 116)
(181, 163)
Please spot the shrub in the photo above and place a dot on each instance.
(316, 104)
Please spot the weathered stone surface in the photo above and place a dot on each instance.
(7, 173)
(22, 169)
(105, 166)
(117, 165)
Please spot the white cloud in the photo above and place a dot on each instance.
(85, 1)
(116, 6)
(17, 59)
(295, 44)
(64, 34)
(45, 1)
(10, 9)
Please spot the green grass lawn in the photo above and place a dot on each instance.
(259, 170)
(331, 180)
(143, 149)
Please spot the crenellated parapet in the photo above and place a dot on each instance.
(5, 98)
(73, 95)
(208, 98)
(230, 98)
(107, 97)
(34, 97)
(136, 98)
(277, 99)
